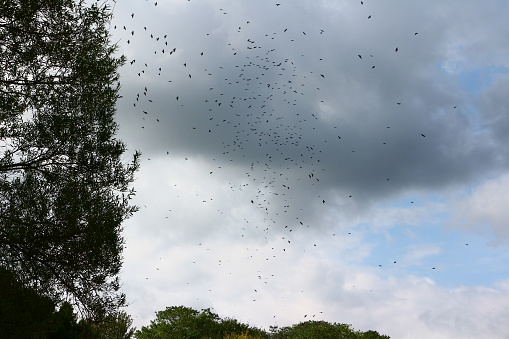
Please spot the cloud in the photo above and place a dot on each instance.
(290, 166)
(296, 287)
(245, 109)
(484, 210)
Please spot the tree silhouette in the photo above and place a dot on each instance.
(64, 188)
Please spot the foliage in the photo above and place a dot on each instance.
(113, 326)
(244, 335)
(187, 323)
(64, 189)
(316, 329)
(323, 330)
(25, 314)
(372, 335)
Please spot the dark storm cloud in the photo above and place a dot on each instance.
(294, 99)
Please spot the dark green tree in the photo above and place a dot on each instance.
(23, 313)
(187, 323)
(64, 324)
(372, 335)
(323, 330)
(64, 186)
(114, 326)
(233, 326)
(180, 322)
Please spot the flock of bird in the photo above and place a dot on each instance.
(253, 111)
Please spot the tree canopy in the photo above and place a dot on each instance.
(25, 314)
(323, 330)
(64, 186)
(188, 323)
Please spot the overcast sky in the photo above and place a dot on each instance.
(320, 160)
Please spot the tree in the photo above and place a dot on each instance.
(23, 313)
(231, 326)
(316, 329)
(64, 187)
(322, 329)
(64, 324)
(180, 322)
(372, 335)
(187, 323)
(244, 335)
(113, 326)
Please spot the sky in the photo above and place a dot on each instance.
(327, 160)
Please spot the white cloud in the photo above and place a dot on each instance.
(485, 210)
(240, 282)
